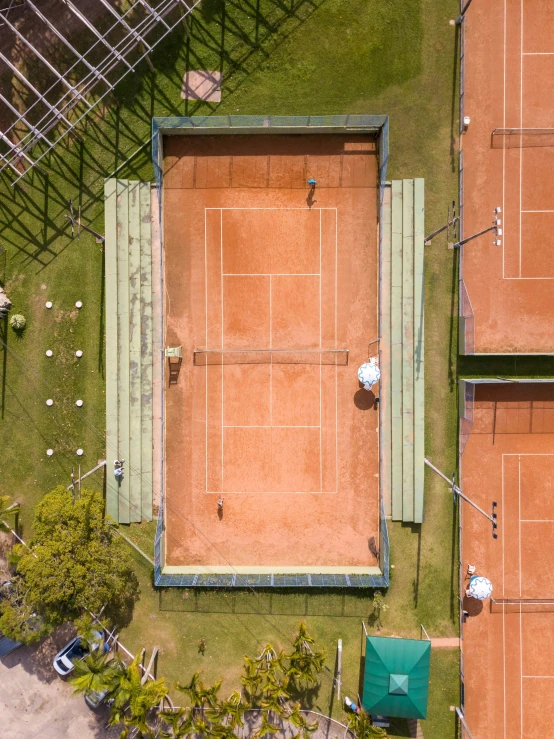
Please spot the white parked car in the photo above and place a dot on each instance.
(77, 649)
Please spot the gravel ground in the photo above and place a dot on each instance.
(36, 702)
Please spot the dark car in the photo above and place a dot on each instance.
(8, 645)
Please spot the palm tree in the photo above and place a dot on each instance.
(235, 708)
(94, 673)
(305, 663)
(228, 713)
(7, 509)
(362, 728)
(180, 723)
(193, 690)
(299, 721)
(251, 679)
(266, 727)
(134, 701)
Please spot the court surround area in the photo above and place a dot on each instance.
(507, 289)
(272, 293)
(508, 655)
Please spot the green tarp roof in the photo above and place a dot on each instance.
(396, 677)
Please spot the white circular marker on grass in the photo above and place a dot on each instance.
(49, 352)
(80, 452)
(49, 402)
(78, 304)
(78, 353)
(79, 403)
(50, 452)
(48, 304)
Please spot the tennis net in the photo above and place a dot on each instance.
(337, 357)
(522, 605)
(521, 138)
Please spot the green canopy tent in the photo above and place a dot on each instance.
(396, 677)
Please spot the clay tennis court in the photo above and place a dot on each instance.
(508, 654)
(272, 293)
(509, 84)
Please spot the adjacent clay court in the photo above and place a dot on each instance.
(272, 292)
(508, 158)
(507, 647)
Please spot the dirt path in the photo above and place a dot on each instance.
(35, 702)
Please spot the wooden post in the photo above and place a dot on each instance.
(152, 662)
(339, 667)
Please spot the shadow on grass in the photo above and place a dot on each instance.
(4, 339)
(300, 603)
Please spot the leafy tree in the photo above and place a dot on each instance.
(379, 607)
(18, 619)
(74, 562)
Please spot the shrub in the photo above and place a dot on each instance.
(18, 322)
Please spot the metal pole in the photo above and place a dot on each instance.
(45, 61)
(464, 723)
(440, 230)
(131, 30)
(66, 42)
(459, 492)
(98, 35)
(470, 238)
(25, 81)
(107, 65)
(464, 11)
(339, 667)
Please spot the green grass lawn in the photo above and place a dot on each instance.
(396, 57)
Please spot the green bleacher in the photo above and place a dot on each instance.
(402, 341)
(128, 290)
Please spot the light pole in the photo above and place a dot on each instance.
(495, 227)
(458, 491)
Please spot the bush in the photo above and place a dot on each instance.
(18, 322)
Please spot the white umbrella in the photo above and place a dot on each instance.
(369, 374)
(480, 587)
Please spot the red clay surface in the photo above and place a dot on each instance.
(509, 83)
(509, 656)
(251, 262)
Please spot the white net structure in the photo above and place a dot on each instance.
(78, 52)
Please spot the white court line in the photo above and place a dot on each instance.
(304, 208)
(504, 188)
(270, 426)
(320, 368)
(271, 492)
(206, 309)
(336, 368)
(271, 356)
(537, 520)
(503, 583)
(270, 275)
(222, 343)
(539, 677)
(521, 126)
(537, 211)
(538, 53)
(519, 565)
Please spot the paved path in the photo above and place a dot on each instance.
(447, 642)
